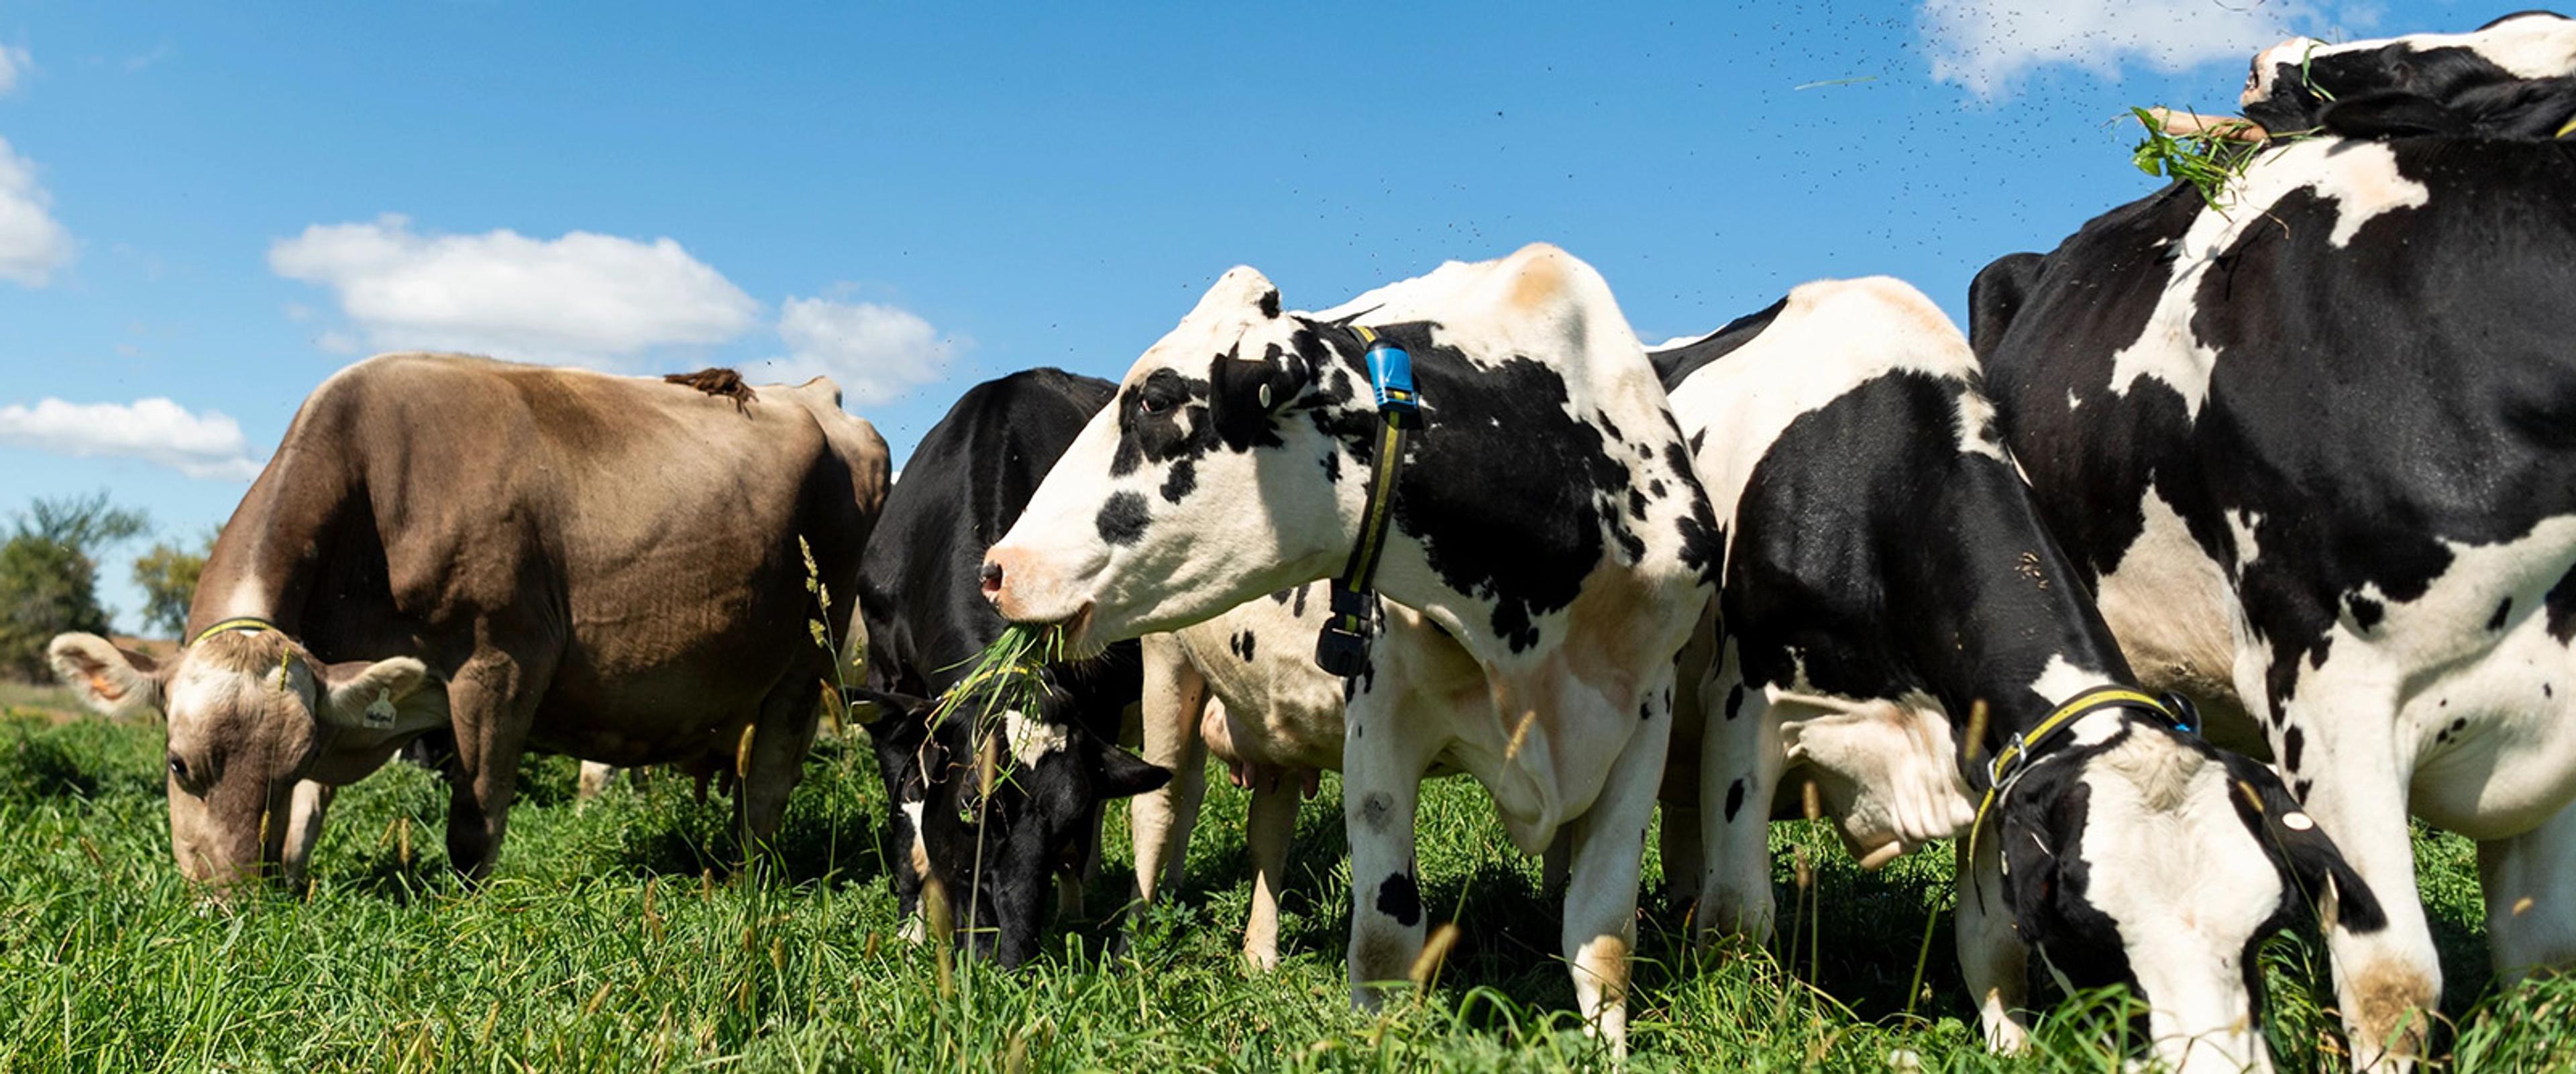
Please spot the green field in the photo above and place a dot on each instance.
(615, 937)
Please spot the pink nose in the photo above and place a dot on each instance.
(992, 580)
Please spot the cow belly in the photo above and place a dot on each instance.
(2171, 608)
(2495, 739)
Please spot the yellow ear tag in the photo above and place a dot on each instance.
(380, 712)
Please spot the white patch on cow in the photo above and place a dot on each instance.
(2526, 47)
(2484, 728)
(1831, 336)
(2361, 178)
(2242, 526)
(2159, 810)
(1031, 739)
(1976, 426)
(2171, 607)
(2062, 679)
(2072, 401)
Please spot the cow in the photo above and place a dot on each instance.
(1546, 517)
(2513, 78)
(610, 567)
(927, 621)
(2309, 443)
(1893, 617)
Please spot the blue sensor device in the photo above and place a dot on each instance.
(1391, 372)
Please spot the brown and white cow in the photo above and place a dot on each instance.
(1547, 518)
(542, 558)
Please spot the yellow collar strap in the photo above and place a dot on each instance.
(2014, 758)
(252, 624)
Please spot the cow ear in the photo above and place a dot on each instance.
(394, 695)
(2326, 881)
(1243, 293)
(111, 681)
(2525, 108)
(2030, 861)
(1125, 775)
(1245, 394)
(2390, 114)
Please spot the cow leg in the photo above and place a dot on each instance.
(1381, 779)
(305, 807)
(2530, 886)
(1160, 820)
(1680, 846)
(2388, 981)
(1267, 831)
(780, 734)
(594, 781)
(1739, 772)
(1992, 957)
(491, 701)
(1601, 884)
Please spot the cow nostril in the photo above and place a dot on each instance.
(992, 578)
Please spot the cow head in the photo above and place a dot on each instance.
(1210, 479)
(2133, 853)
(2512, 78)
(1030, 825)
(250, 714)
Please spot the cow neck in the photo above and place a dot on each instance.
(1341, 648)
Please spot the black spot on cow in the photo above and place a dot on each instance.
(1281, 597)
(2504, 610)
(1655, 488)
(2459, 725)
(1244, 644)
(1332, 463)
(1184, 477)
(1270, 302)
(1735, 701)
(1646, 710)
(2560, 604)
(1698, 440)
(1122, 520)
(1637, 505)
(1399, 898)
(2294, 745)
(1608, 427)
(2299, 790)
(2544, 690)
(1734, 798)
(2366, 612)
(1374, 809)
(1299, 609)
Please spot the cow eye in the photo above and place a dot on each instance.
(1151, 405)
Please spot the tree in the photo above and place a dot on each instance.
(168, 574)
(49, 575)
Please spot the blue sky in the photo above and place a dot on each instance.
(215, 206)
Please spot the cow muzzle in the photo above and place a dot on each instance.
(1023, 589)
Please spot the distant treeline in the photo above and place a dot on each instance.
(49, 576)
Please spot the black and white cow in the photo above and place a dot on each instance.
(2316, 447)
(1886, 571)
(926, 621)
(2512, 78)
(1548, 518)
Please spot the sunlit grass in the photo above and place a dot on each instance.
(617, 936)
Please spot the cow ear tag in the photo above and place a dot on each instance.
(1265, 397)
(380, 712)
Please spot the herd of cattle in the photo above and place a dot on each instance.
(2232, 536)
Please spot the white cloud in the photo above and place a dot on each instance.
(32, 243)
(208, 445)
(874, 352)
(1984, 44)
(14, 62)
(583, 298)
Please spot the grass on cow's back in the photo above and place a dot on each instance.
(613, 938)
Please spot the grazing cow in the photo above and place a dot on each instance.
(1547, 517)
(1886, 574)
(927, 622)
(2312, 444)
(602, 566)
(2512, 78)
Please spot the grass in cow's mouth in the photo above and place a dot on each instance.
(2207, 161)
(1006, 676)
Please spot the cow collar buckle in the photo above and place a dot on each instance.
(1342, 647)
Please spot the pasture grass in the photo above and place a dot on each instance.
(617, 936)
